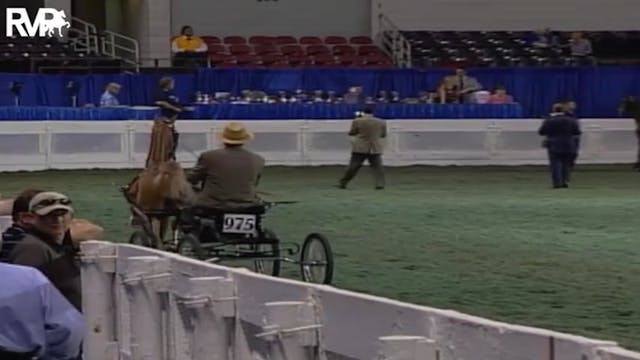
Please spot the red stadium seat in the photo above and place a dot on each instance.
(210, 40)
(298, 61)
(234, 40)
(248, 60)
(265, 49)
(348, 60)
(292, 49)
(369, 49)
(285, 40)
(262, 40)
(271, 59)
(324, 60)
(240, 49)
(217, 49)
(361, 40)
(335, 40)
(317, 50)
(310, 40)
(218, 59)
(343, 50)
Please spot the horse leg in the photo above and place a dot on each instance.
(162, 230)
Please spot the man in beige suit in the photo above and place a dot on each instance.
(229, 175)
(368, 133)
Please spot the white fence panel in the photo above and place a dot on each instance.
(124, 144)
(178, 308)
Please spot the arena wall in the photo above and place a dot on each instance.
(34, 145)
(273, 17)
(461, 15)
(147, 304)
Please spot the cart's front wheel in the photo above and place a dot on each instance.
(140, 238)
(316, 260)
(189, 246)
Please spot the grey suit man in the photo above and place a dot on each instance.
(368, 133)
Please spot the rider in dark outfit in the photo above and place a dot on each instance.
(170, 107)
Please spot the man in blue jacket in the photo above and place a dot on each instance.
(561, 131)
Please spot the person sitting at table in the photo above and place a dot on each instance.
(466, 85)
(500, 96)
(447, 93)
(108, 98)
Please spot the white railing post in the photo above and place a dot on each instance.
(406, 348)
(147, 279)
(292, 328)
(206, 308)
(98, 274)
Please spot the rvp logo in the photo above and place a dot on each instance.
(47, 21)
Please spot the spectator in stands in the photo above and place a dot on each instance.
(37, 321)
(46, 243)
(108, 98)
(189, 50)
(581, 47)
(500, 96)
(188, 43)
(539, 38)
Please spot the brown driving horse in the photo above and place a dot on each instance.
(162, 185)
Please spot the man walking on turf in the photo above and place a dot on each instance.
(561, 131)
(368, 133)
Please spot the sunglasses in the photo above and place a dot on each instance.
(49, 202)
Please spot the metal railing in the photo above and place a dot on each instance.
(122, 47)
(392, 41)
(87, 36)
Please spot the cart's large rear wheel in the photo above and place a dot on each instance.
(268, 250)
(316, 260)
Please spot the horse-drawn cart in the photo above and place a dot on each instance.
(220, 235)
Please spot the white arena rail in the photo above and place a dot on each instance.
(146, 304)
(123, 144)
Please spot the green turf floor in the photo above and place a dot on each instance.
(493, 242)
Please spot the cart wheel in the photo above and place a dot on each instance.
(140, 238)
(262, 266)
(189, 246)
(316, 260)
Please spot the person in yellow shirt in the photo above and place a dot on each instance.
(187, 42)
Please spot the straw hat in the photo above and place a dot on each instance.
(235, 133)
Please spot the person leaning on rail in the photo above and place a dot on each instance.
(79, 230)
(46, 244)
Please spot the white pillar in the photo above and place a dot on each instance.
(98, 300)
(147, 279)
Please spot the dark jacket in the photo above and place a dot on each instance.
(229, 176)
(10, 237)
(561, 131)
(56, 261)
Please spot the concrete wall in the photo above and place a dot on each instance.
(281, 17)
(512, 14)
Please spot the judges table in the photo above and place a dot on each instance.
(269, 112)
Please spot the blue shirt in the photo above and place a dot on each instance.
(35, 316)
(108, 99)
(170, 97)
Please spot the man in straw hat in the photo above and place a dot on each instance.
(230, 174)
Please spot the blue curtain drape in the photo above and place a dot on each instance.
(597, 90)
